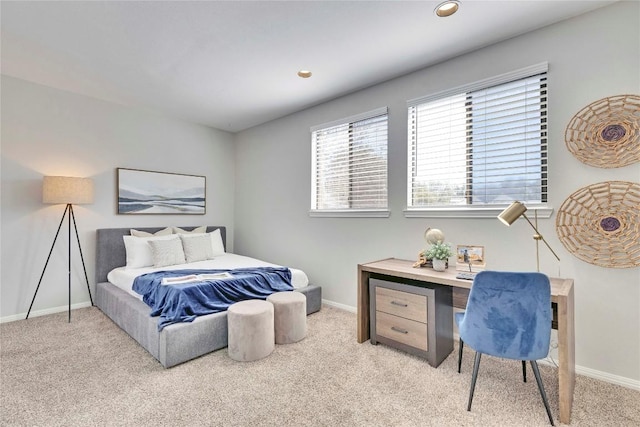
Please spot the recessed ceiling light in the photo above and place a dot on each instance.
(447, 8)
(305, 74)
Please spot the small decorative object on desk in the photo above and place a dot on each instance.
(428, 263)
(470, 258)
(437, 254)
(433, 235)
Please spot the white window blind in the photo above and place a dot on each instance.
(350, 163)
(482, 144)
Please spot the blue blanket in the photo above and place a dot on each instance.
(184, 302)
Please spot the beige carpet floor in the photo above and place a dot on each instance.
(90, 373)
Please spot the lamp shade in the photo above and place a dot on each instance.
(511, 213)
(66, 189)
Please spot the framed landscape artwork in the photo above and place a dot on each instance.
(149, 192)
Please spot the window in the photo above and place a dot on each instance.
(480, 145)
(349, 166)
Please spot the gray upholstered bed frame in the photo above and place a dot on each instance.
(176, 343)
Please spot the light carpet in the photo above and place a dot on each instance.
(91, 373)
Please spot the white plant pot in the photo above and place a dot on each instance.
(439, 264)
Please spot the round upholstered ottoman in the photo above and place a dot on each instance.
(250, 330)
(290, 316)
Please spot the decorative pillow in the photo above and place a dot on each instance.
(197, 230)
(138, 250)
(138, 233)
(216, 242)
(167, 252)
(197, 247)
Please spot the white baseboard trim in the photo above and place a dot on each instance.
(44, 312)
(341, 306)
(597, 375)
(580, 370)
(609, 378)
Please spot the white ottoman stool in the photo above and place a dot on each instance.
(290, 316)
(250, 330)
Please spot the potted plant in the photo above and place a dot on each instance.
(439, 253)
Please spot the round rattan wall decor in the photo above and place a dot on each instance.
(606, 133)
(600, 224)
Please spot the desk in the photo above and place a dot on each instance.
(561, 299)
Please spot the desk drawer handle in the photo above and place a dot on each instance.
(401, 304)
(402, 331)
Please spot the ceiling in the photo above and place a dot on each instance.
(232, 64)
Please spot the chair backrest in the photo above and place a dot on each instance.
(508, 315)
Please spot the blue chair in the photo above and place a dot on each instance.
(508, 315)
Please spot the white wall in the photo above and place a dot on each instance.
(590, 57)
(50, 132)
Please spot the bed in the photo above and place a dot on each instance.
(175, 343)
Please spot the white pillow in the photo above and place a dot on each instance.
(197, 230)
(167, 252)
(215, 237)
(138, 250)
(216, 242)
(139, 233)
(197, 247)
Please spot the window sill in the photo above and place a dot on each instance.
(350, 213)
(473, 212)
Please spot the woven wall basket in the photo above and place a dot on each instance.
(600, 224)
(606, 133)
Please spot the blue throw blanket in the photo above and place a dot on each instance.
(184, 302)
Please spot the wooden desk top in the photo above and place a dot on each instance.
(404, 268)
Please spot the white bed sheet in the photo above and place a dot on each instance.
(123, 277)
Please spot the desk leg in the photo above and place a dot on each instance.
(566, 356)
(363, 305)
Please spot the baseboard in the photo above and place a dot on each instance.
(609, 378)
(44, 312)
(340, 306)
(597, 375)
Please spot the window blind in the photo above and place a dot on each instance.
(350, 163)
(481, 146)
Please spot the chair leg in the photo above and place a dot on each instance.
(474, 377)
(536, 373)
(524, 371)
(460, 354)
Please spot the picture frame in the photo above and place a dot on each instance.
(470, 258)
(144, 192)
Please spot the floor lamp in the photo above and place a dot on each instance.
(70, 191)
(514, 211)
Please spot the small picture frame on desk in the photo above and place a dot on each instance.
(470, 258)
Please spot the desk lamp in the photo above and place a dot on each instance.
(69, 191)
(514, 211)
